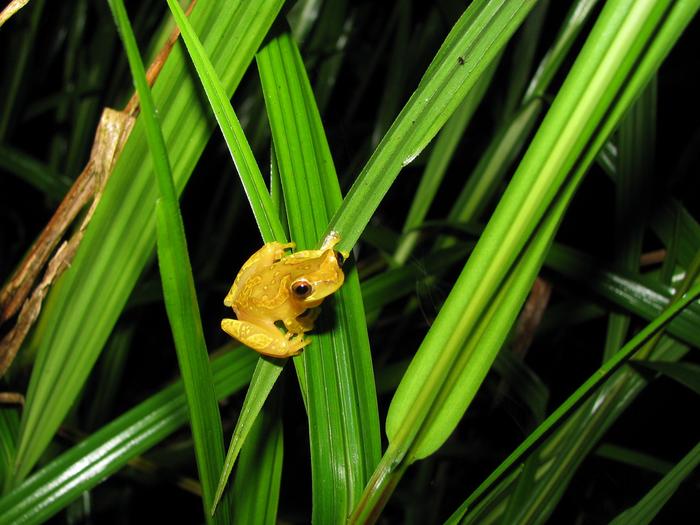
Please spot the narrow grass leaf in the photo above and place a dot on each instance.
(566, 141)
(534, 499)
(242, 154)
(672, 223)
(481, 346)
(12, 100)
(9, 429)
(395, 74)
(539, 177)
(256, 486)
(636, 146)
(505, 148)
(525, 46)
(649, 506)
(439, 159)
(109, 449)
(638, 294)
(120, 238)
(395, 283)
(550, 156)
(599, 413)
(687, 374)
(474, 41)
(33, 172)
(264, 378)
(336, 368)
(583, 391)
(523, 382)
(633, 458)
(270, 227)
(178, 286)
(110, 373)
(576, 19)
(488, 175)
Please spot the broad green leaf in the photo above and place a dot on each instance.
(120, 238)
(109, 449)
(560, 140)
(449, 366)
(336, 368)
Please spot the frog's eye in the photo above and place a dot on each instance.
(302, 288)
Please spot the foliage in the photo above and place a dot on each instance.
(513, 183)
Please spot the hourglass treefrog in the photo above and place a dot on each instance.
(272, 287)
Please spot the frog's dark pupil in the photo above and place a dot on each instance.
(301, 289)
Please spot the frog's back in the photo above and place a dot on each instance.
(261, 293)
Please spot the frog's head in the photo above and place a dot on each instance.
(318, 278)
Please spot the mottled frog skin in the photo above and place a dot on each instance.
(272, 287)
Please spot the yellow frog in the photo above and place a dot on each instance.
(271, 287)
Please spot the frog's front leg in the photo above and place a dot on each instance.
(302, 323)
(266, 340)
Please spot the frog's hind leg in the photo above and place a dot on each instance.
(263, 340)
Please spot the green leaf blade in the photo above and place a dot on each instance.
(336, 367)
(474, 41)
(119, 241)
(178, 286)
(649, 506)
(110, 448)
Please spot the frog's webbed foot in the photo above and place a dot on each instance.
(266, 341)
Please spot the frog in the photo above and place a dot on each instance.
(273, 287)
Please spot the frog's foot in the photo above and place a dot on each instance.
(266, 341)
(331, 240)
